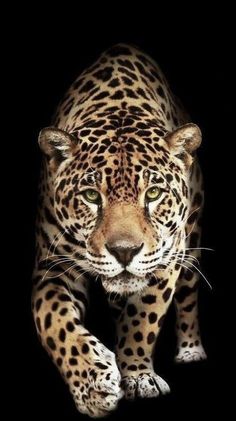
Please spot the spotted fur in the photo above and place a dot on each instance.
(119, 136)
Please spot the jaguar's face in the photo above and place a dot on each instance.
(131, 223)
(130, 216)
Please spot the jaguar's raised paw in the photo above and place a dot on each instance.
(98, 391)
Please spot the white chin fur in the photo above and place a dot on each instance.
(131, 286)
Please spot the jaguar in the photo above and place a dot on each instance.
(120, 202)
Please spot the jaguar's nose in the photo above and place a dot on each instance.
(124, 255)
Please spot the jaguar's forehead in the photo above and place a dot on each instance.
(121, 166)
(119, 151)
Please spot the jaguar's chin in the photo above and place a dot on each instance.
(124, 284)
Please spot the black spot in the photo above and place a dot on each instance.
(104, 74)
(69, 374)
(108, 171)
(48, 321)
(114, 83)
(101, 95)
(151, 338)
(184, 327)
(131, 310)
(85, 348)
(84, 374)
(70, 327)
(128, 352)
(142, 366)
(138, 336)
(132, 367)
(127, 80)
(163, 283)
(169, 177)
(62, 335)
(135, 322)
(63, 311)
(101, 366)
(118, 95)
(64, 297)
(74, 351)
(166, 294)
(140, 351)
(73, 361)
(50, 294)
(84, 132)
(153, 281)
(63, 351)
(184, 344)
(55, 306)
(51, 343)
(149, 299)
(152, 317)
(143, 314)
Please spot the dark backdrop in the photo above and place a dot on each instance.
(196, 60)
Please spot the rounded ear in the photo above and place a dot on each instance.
(184, 141)
(56, 144)
(185, 138)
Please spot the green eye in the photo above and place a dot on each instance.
(92, 196)
(152, 194)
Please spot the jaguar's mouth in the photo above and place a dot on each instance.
(125, 276)
(124, 283)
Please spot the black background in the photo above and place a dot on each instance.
(195, 54)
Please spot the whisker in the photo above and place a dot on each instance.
(200, 273)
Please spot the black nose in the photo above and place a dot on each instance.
(124, 255)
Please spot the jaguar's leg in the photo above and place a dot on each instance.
(86, 364)
(138, 324)
(189, 344)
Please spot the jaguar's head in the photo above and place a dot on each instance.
(125, 196)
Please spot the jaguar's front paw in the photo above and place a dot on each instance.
(146, 385)
(98, 391)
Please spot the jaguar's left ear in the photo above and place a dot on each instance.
(184, 141)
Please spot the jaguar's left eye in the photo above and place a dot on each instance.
(152, 194)
(92, 196)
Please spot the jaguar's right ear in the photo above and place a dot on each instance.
(56, 144)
